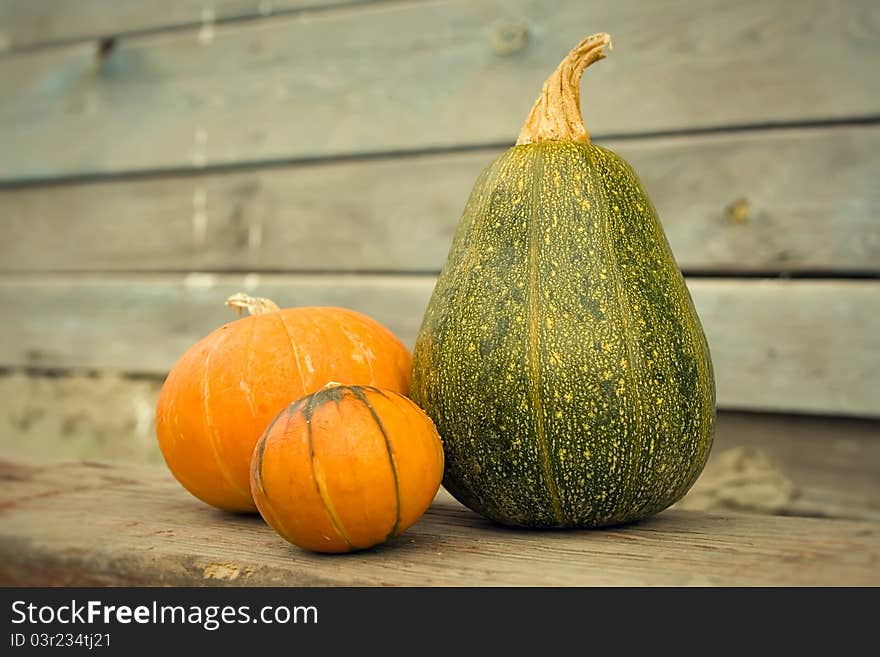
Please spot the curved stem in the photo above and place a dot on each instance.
(556, 115)
(254, 305)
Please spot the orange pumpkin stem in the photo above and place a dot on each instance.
(556, 115)
(254, 305)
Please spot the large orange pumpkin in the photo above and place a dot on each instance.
(346, 468)
(225, 390)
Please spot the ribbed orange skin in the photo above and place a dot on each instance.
(224, 391)
(346, 468)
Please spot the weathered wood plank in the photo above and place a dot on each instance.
(796, 213)
(809, 346)
(785, 345)
(442, 74)
(28, 23)
(100, 524)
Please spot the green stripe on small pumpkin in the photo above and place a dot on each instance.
(360, 396)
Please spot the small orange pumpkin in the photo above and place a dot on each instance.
(346, 468)
(224, 391)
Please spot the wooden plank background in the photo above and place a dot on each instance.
(34, 23)
(410, 76)
(763, 201)
(144, 323)
(321, 152)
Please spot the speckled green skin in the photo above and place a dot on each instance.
(560, 356)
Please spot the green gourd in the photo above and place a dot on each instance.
(560, 355)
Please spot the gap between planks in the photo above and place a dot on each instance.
(727, 206)
(777, 345)
(489, 149)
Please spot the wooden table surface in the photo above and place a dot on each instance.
(89, 523)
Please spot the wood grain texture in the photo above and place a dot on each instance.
(782, 200)
(810, 346)
(783, 345)
(94, 523)
(28, 23)
(144, 323)
(444, 74)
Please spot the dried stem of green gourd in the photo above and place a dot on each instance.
(556, 115)
(254, 305)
